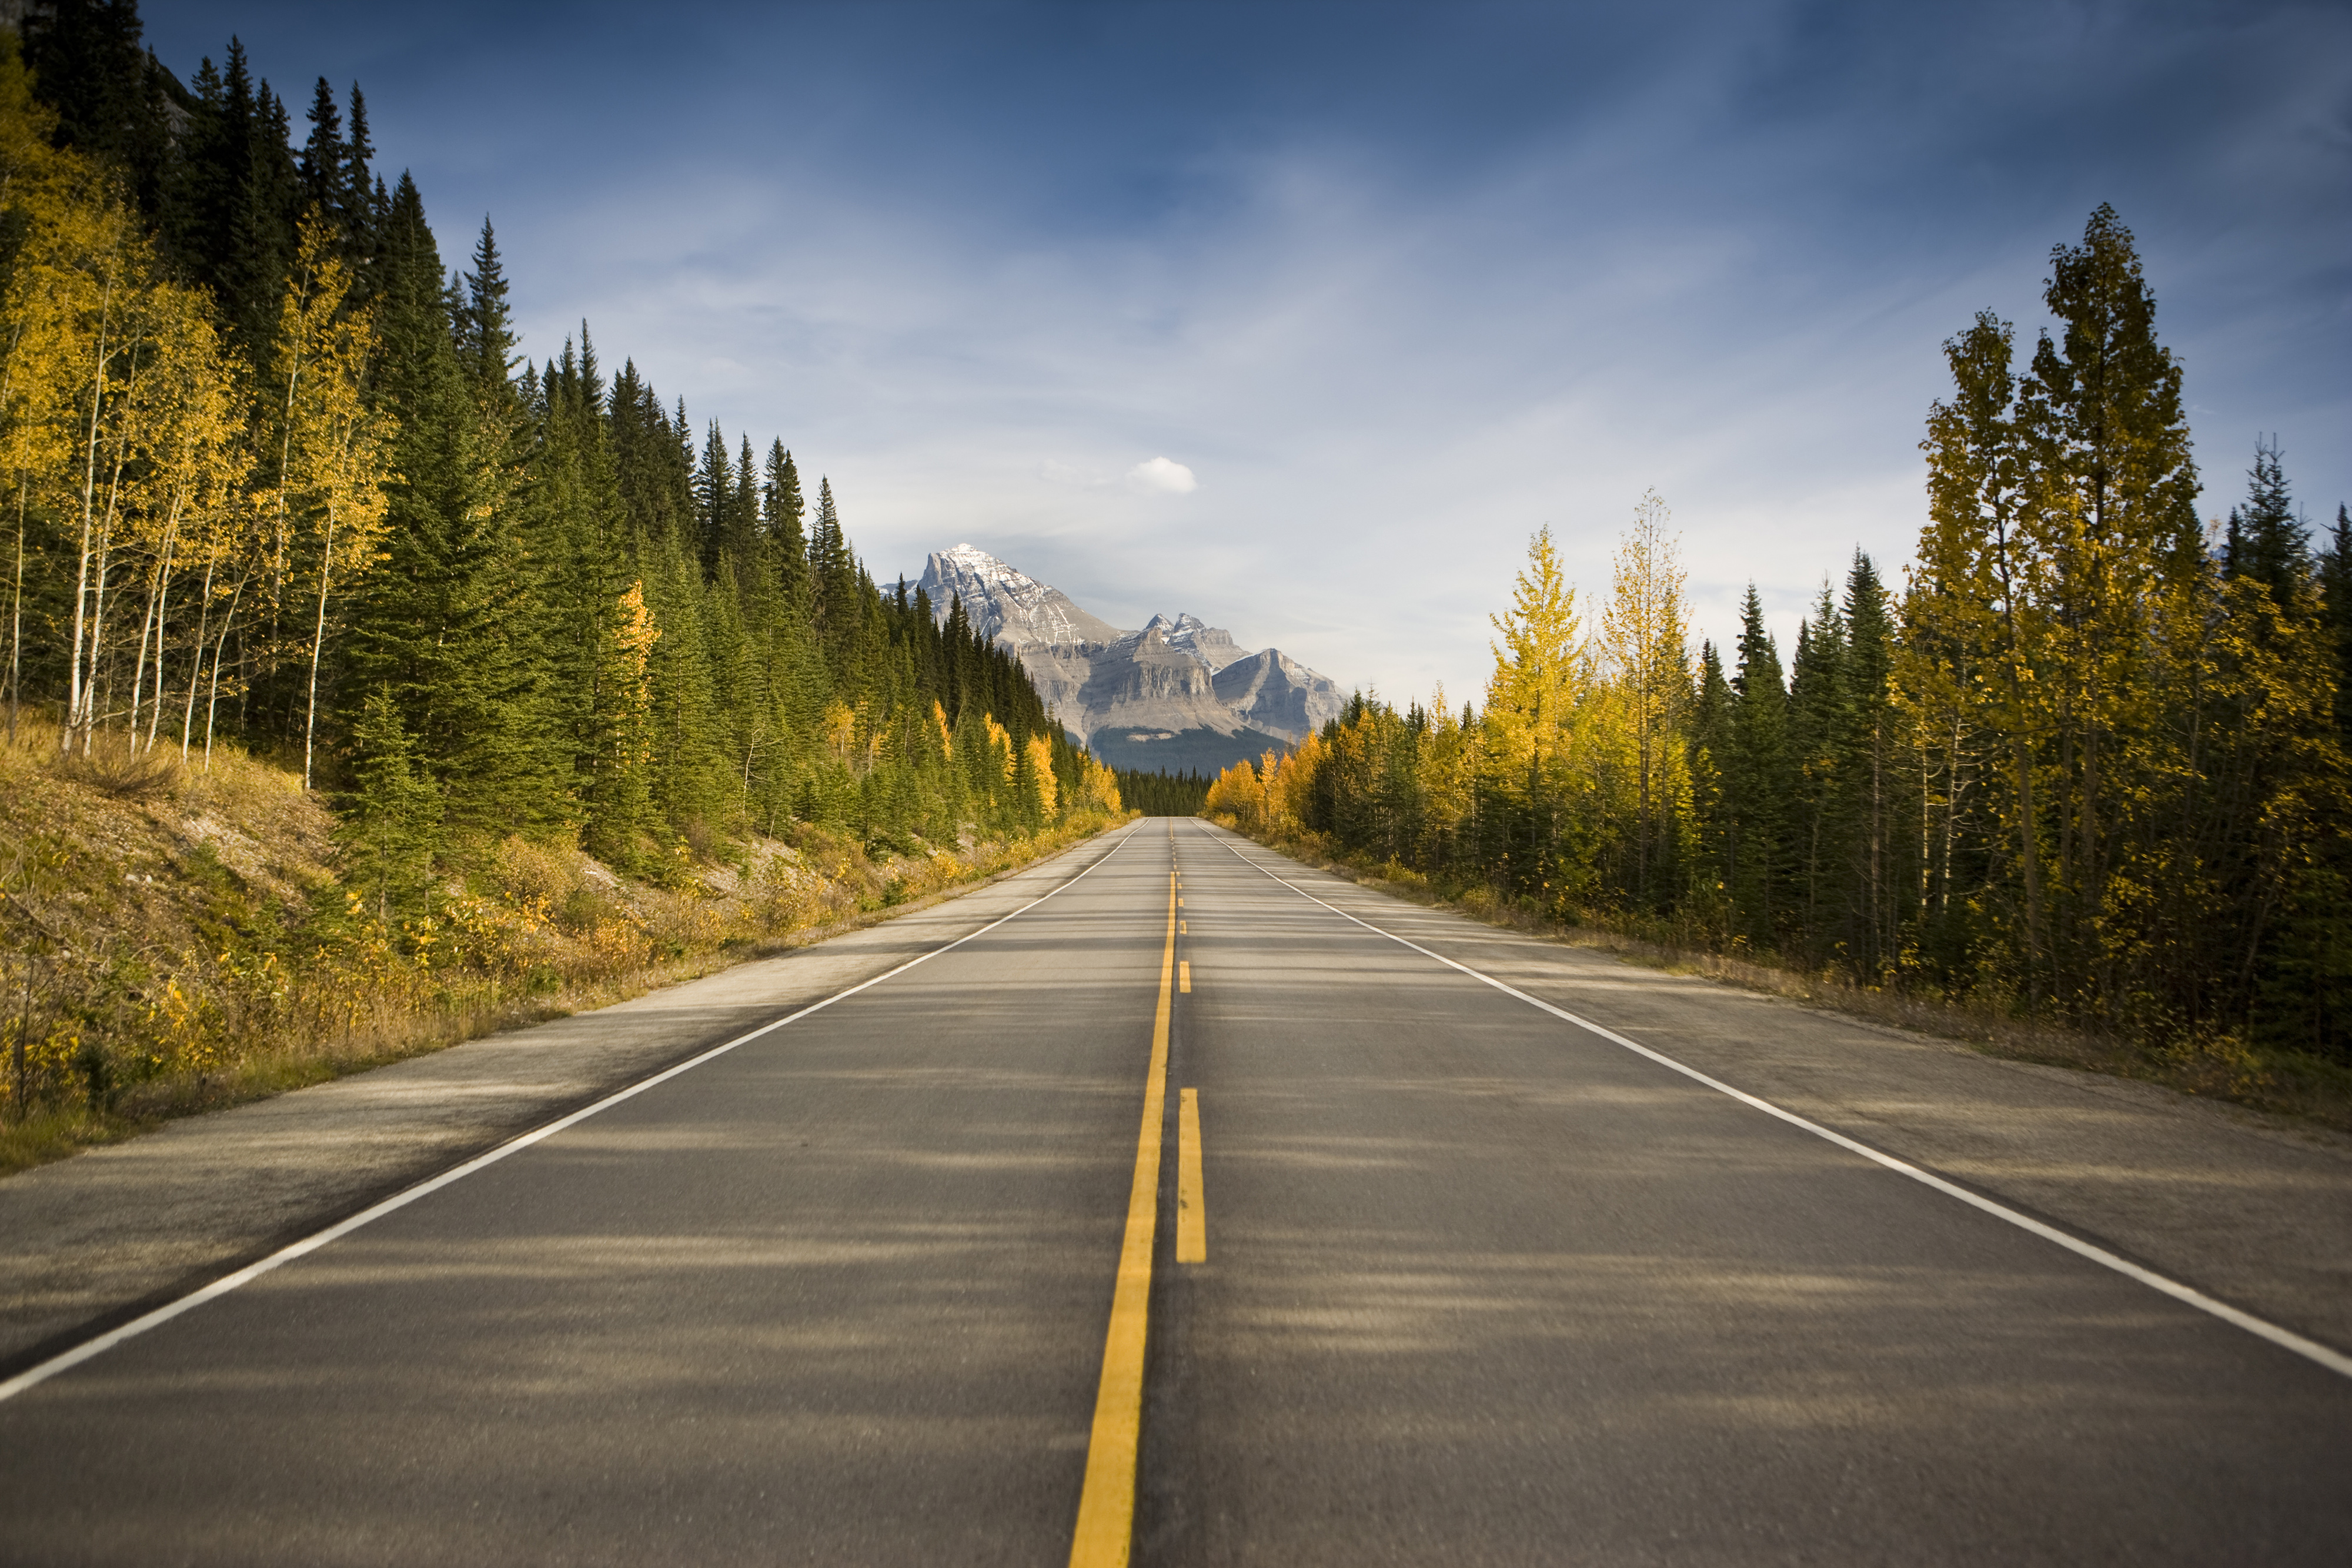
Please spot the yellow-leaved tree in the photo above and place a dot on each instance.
(1534, 699)
(1646, 668)
(328, 447)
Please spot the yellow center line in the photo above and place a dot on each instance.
(1107, 1503)
(1184, 976)
(1191, 1213)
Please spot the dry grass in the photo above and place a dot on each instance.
(2217, 1067)
(173, 939)
(113, 767)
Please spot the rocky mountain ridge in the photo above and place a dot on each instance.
(1176, 695)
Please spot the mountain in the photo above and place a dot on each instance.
(1213, 645)
(1006, 605)
(1177, 696)
(1138, 701)
(1275, 693)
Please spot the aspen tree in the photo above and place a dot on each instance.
(329, 444)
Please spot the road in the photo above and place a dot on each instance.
(903, 1280)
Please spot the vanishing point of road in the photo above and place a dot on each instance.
(1183, 1217)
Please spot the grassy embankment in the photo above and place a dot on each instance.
(2289, 1083)
(175, 940)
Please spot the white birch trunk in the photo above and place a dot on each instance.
(318, 639)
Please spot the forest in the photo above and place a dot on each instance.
(279, 477)
(281, 484)
(2085, 763)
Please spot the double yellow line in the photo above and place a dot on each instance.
(1106, 1505)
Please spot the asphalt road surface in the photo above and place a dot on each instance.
(956, 1270)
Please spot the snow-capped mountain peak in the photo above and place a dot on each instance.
(1005, 604)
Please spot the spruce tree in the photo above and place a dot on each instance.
(113, 100)
(714, 500)
(2336, 601)
(782, 521)
(1709, 750)
(1869, 763)
(484, 324)
(743, 530)
(1757, 780)
(323, 168)
(392, 814)
(2266, 540)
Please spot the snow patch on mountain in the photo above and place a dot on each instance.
(1181, 675)
(1006, 605)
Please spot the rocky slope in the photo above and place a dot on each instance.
(1178, 694)
(1005, 604)
(1277, 693)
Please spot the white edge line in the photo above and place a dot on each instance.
(2336, 1361)
(65, 1360)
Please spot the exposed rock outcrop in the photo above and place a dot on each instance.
(1006, 605)
(1178, 694)
(1272, 692)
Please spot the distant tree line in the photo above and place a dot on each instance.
(2088, 763)
(1163, 794)
(274, 473)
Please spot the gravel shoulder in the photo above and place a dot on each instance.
(2253, 1209)
(99, 1237)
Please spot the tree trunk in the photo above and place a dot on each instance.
(73, 696)
(317, 640)
(212, 703)
(16, 616)
(197, 665)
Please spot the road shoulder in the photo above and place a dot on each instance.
(2252, 1210)
(96, 1238)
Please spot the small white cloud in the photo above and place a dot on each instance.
(1162, 476)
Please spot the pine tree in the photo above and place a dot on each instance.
(834, 587)
(484, 324)
(111, 98)
(742, 541)
(2336, 600)
(1755, 782)
(2267, 541)
(323, 166)
(1818, 722)
(714, 500)
(783, 520)
(1870, 762)
(1715, 858)
(392, 814)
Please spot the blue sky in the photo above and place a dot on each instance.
(1394, 285)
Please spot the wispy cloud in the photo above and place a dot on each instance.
(1405, 294)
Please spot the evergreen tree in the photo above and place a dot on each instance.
(323, 166)
(1819, 724)
(2266, 540)
(1755, 782)
(113, 102)
(2336, 601)
(484, 323)
(1715, 859)
(1869, 760)
(390, 816)
(834, 586)
(782, 520)
(714, 500)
